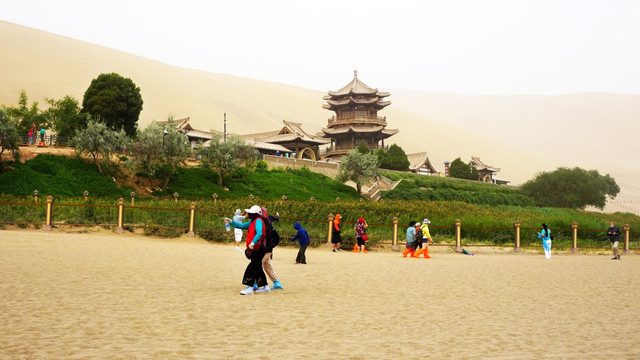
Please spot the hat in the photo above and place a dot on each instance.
(238, 211)
(426, 221)
(255, 209)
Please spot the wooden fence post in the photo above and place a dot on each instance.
(133, 198)
(574, 237)
(47, 221)
(86, 195)
(394, 240)
(330, 229)
(120, 227)
(626, 229)
(516, 225)
(458, 224)
(192, 219)
(35, 195)
(176, 196)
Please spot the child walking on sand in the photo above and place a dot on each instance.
(303, 237)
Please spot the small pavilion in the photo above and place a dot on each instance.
(290, 140)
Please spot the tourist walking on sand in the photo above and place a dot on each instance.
(426, 238)
(267, 259)
(614, 237)
(336, 239)
(253, 274)
(303, 237)
(237, 232)
(545, 235)
(411, 239)
(361, 235)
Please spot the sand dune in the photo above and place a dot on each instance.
(109, 296)
(586, 130)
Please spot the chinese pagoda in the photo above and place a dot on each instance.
(356, 120)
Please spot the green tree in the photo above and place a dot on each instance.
(64, 114)
(460, 170)
(393, 159)
(100, 142)
(363, 148)
(9, 138)
(26, 115)
(114, 100)
(223, 156)
(571, 188)
(159, 151)
(359, 168)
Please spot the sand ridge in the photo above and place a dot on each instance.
(108, 296)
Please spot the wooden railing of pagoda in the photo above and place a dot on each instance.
(358, 119)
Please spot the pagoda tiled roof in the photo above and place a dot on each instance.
(290, 132)
(357, 87)
(360, 129)
(419, 160)
(475, 161)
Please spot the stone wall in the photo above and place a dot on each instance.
(329, 169)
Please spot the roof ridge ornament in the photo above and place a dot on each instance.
(355, 73)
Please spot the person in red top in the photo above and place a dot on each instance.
(254, 274)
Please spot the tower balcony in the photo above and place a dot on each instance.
(357, 119)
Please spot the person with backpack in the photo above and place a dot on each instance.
(255, 251)
(411, 239)
(267, 260)
(303, 237)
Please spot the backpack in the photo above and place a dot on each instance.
(271, 235)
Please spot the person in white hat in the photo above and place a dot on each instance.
(426, 236)
(254, 274)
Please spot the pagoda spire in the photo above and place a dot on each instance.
(355, 73)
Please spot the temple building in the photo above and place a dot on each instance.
(486, 173)
(290, 140)
(356, 118)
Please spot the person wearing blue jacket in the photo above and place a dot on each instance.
(545, 235)
(303, 237)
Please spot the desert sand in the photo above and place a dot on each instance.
(74, 295)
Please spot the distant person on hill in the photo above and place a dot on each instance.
(303, 237)
(30, 136)
(614, 238)
(238, 217)
(426, 238)
(42, 133)
(361, 235)
(411, 239)
(254, 274)
(336, 239)
(545, 235)
(267, 260)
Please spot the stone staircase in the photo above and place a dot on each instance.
(374, 189)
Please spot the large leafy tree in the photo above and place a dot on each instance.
(100, 142)
(9, 138)
(571, 188)
(359, 168)
(393, 159)
(460, 170)
(65, 116)
(114, 100)
(223, 156)
(26, 115)
(159, 152)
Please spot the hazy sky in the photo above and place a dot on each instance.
(462, 46)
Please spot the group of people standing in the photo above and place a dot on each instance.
(360, 235)
(418, 237)
(613, 232)
(257, 250)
